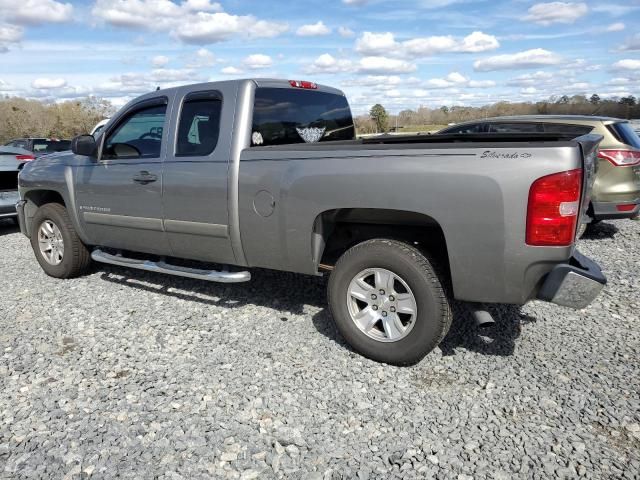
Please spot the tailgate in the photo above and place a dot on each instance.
(589, 148)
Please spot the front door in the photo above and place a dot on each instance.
(119, 196)
(195, 176)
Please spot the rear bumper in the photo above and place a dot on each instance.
(609, 210)
(21, 221)
(8, 203)
(574, 284)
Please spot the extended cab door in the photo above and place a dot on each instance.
(119, 195)
(196, 216)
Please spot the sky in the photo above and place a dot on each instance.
(401, 53)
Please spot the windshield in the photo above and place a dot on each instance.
(284, 115)
(625, 134)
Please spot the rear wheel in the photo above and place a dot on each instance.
(57, 247)
(388, 301)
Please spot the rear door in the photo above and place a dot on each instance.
(195, 181)
(119, 195)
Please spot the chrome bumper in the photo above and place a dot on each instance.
(574, 284)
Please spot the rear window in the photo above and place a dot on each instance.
(564, 128)
(51, 146)
(283, 116)
(625, 133)
(516, 127)
(468, 128)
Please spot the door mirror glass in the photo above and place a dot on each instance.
(84, 145)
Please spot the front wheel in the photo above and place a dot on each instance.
(388, 301)
(57, 247)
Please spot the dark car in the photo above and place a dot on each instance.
(40, 146)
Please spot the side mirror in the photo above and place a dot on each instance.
(84, 145)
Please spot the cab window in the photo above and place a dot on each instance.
(468, 128)
(139, 135)
(199, 125)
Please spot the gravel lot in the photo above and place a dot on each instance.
(136, 375)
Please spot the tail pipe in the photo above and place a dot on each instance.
(483, 318)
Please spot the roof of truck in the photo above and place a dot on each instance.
(260, 82)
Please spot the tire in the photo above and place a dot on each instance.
(75, 257)
(360, 272)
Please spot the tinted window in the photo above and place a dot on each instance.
(625, 134)
(516, 127)
(138, 136)
(199, 125)
(468, 128)
(50, 146)
(285, 115)
(570, 129)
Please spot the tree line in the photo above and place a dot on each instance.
(379, 120)
(20, 117)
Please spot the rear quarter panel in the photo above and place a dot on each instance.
(478, 196)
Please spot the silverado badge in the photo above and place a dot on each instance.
(311, 134)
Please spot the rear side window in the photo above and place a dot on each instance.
(199, 125)
(516, 127)
(567, 129)
(51, 146)
(625, 133)
(139, 135)
(469, 128)
(283, 116)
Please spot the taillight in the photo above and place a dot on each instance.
(303, 84)
(626, 207)
(553, 209)
(25, 158)
(620, 158)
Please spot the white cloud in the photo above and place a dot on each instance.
(616, 27)
(9, 35)
(531, 79)
(257, 61)
(326, 63)
(195, 21)
(313, 30)
(376, 43)
(481, 84)
(159, 61)
(455, 80)
(355, 2)
(345, 32)
(203, 58)
(48, 83)
(511, 61)
(377, 64)
(231, 71)
(35, 12)
(556, 12)
(627, 64)
(202, 6)
(205, 28)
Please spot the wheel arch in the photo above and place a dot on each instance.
(337, 230)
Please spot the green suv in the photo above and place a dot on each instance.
(616, 191)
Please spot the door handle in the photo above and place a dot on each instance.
(144, 177)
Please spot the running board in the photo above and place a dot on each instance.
(162, 267)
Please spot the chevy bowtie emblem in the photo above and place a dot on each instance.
(311, 134)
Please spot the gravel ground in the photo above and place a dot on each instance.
(136, 375)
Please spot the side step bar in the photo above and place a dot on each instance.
(162, 267)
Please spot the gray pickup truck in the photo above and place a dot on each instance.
(208, 180)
